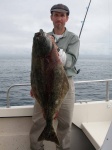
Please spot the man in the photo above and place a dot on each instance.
(67, 43)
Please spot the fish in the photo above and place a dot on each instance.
(49, 82)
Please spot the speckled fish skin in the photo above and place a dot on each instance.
(48, 81)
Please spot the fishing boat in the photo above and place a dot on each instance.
(91, 124)
(91, 127)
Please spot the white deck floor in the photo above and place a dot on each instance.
(14, 134)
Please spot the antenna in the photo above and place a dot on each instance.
(84, 19)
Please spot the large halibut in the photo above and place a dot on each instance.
(48, 81)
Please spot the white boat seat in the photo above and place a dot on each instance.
(96, 132)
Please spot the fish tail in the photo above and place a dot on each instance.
(49, 134)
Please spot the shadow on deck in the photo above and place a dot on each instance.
(14, 134)
(79, 140)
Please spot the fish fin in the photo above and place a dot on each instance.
(49, 134)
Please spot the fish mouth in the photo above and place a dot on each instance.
(40, 34)
(43, 42)
(40, 37)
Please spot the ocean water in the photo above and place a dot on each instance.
(17, 71)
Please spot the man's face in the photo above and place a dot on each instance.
(59, 19)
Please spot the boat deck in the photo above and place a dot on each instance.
(89, 128)
(14, 135)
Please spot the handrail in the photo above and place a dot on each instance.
(76, 82)
(93, 81)
(8, 102)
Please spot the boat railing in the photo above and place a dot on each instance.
(8, 91)
(107, 81)
(76, 82)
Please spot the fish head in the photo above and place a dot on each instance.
(42, 43)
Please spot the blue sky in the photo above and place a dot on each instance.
(20, 19)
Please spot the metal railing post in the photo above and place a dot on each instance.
(107, 90)
(8, 101)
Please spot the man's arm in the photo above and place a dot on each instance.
(72, 52)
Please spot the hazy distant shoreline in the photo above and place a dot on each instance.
(28, 56)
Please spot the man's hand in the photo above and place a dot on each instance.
(62, 56)
(31, 93)
(53, 41)
(56, 115)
